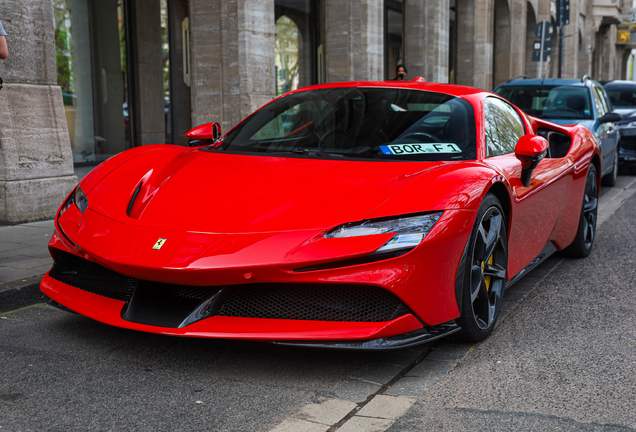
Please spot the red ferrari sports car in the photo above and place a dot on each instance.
(359, 215)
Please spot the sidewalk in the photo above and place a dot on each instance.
(25, 258)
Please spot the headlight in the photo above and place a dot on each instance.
(69, 202)
(409, 231)
(630, 124)
(80, 199)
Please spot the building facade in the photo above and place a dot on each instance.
(87, 79)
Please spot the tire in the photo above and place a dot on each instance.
(585, 234)
(485, 272)
(610, 179)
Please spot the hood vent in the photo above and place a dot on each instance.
(134, 197)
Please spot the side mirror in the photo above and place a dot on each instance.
(611, 117)
(530, 149)
(204, 134)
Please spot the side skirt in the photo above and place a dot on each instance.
(547, 251)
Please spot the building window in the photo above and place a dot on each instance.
(393, 37)
(294, 44)
(90, 41)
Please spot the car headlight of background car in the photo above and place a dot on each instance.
(409, 231)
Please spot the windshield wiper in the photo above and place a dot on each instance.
(307, 152)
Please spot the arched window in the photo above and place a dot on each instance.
(287, 41)
(295, 48)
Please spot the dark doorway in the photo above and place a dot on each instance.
(393, 37)
(178, 109)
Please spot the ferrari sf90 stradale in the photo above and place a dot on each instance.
(360, 215)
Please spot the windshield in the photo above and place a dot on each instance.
(550, 102)
(369, 123)
(622, 95)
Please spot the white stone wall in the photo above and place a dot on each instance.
(36, 165)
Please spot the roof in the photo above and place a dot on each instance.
(621, 83)
(547, 82)
(451, 89)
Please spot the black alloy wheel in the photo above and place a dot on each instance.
(486, 270)
(582, 245)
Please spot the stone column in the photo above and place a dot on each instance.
(519, 22)
(36, 165)
(571, 44)
(232, 59)
(150, 127)
(354, 40)
(426, 27)
(475, 43)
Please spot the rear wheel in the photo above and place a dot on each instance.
(485, 272)
(610, 179)
(582, 245)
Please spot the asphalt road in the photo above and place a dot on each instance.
(564, 360)
(64, 372)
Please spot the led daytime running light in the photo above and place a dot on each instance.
(409, 231)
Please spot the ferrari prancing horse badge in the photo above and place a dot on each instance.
(159, 243)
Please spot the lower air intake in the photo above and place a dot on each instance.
(317, 302)
(91, 277)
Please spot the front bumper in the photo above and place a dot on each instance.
(423, 280)
(627, 151)
(111, 311)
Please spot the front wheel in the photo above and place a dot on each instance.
(485, 272)
(582, 245)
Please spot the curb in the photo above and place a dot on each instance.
(18, 294)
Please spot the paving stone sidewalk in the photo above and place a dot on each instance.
(24, 258)
(24, 252)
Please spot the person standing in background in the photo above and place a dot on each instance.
(400, 72)
(4, 50)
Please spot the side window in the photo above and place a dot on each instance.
(606, 100)
(599, 103)
(503, 127)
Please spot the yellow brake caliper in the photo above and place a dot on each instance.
(487, 279)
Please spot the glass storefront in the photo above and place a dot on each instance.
(92, 72)
(294, 44)
(165, 52)
(115, 99)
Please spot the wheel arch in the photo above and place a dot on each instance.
(596, 161)
(500, 191)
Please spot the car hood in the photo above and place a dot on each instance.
(214, 192)
(629, 115)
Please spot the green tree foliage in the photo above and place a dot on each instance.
(63, 45)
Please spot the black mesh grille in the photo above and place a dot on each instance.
(314, 302)
(191, 292)
(91, 277)
(318, 302)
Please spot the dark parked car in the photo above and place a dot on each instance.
(570, 101)
(623, 97)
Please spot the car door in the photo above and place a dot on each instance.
(535, 209)
(606, 133)
(613, 132)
